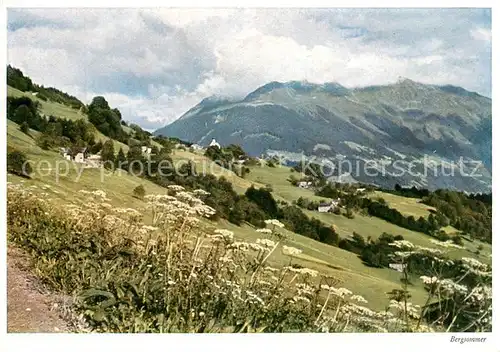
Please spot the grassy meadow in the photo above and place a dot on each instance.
(344, 266)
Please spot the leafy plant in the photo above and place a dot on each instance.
(139, 192)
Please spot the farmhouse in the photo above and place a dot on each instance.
(327, 207)
(80, 157)
(324, 207)
(304, 184)
(65, 153)
(77, 154)
(146, 150)
(397, 267)
(94, 161)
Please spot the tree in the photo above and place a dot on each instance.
(121, 160)
(108, 154)
(160, 162)
(105, 119)
(349, 213)
(457, 240)
(264, 199)
(23, 114)
(98, 103)
(135, 159)
(25, 128)
(139, 192)
(17, 163)
(96, 148)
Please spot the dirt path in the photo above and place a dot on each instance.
(28, 310)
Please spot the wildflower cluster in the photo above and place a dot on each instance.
(174, 274)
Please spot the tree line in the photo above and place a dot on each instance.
(16, 79)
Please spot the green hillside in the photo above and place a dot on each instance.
(369, 282)
(345, 266)
(372, 283)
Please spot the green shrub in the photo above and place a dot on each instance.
(139, 192)
(174, 276)
(17, 163)
(25, 128)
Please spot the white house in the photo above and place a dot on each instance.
(94, 161)
(327, 207)
(80, 158)
(336, 202)
(146, 150)
(65, 153)
(304, 184)
(397, 267)
(324, 207)
(197, 147)
(359, 190)
(214, 143)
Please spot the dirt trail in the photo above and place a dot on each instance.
(28, 310)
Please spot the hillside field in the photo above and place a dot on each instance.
(345, 266)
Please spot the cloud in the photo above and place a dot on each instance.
(155, 64)
(481, 34)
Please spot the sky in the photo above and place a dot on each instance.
(155, 64)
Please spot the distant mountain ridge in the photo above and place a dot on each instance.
(403, 121)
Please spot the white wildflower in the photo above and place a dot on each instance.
(452, 287)
(291, 251)
(266, 231)
(303, 299)
(274, 222)
(429, 280)
(359, 298)
(201, 192)
(225, 234)
(266, 243)
(446, 244)
(402, 244)
(176, 188)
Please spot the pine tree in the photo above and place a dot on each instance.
(121, 160)
(108, 154)
(25, 128)
(136, 162)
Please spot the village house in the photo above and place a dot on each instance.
(80, 156)
(397, 267)
(328, 206)
(197, 147)
(77, 155)
(146, 150)
(65, 153)
(360, 190)
(324, 207)
(304, 184)
(94, 161)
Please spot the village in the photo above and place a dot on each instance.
(91, 161)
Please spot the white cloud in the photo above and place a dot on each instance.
(156, 64)
(481, 34)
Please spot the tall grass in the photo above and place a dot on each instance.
(173, 276)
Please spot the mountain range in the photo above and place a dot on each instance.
(398, 133)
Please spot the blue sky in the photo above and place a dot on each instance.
(155, 64)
